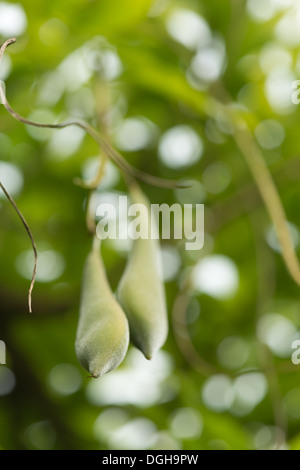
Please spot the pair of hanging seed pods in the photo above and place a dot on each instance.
(106, 323)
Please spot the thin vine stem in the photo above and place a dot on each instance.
(13, 203)
(253, 156)
(5, 45)
(112, 153)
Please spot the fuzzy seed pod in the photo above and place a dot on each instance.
(103, 333)
(141, 291)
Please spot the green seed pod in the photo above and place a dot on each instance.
(141, 291)
(103, 333)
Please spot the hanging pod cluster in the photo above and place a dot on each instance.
(139, 313)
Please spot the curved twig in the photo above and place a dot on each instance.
(5, 45)
(13, 203)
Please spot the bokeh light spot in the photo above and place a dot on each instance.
(216, 178)
(170, 263)
(65, 379)
(270, 134)
(218, 393)
(186, 423)
(13, 20)
(180, 147)
(51, 265)
(188, 28)
(42, 435)
(272, 239)
(233, 352)
(216, 276)
(140, 383)
(11, 178)
(65, 142)
(278, 333)
(135, 134)
(7, 381)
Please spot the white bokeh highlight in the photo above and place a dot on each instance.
(188, 28)
(51, 265)
(216, 276)
(140, 383)
(180, 147)
(13, 20)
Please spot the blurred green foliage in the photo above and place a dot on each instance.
(224, 379)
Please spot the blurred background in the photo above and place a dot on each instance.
(147, 74)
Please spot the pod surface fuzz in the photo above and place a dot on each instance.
(103, 332)
(141, 291)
